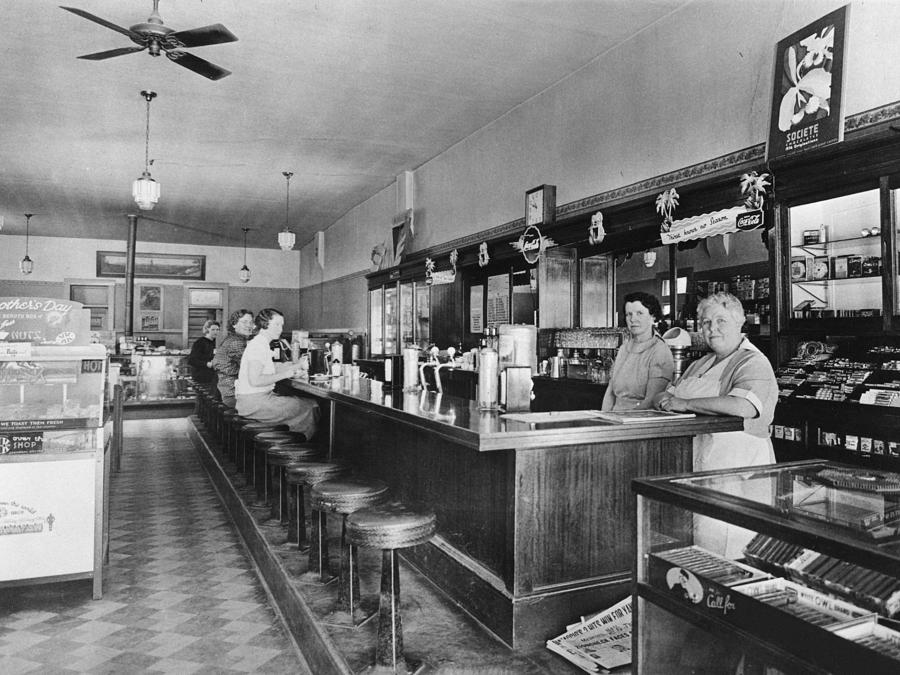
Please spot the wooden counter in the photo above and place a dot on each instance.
(535, 521)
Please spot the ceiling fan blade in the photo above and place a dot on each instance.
(99, 56)
(102, 22)
(200, 37)
(198, 65)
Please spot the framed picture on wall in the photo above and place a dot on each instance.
(153, 265)
(150, 298)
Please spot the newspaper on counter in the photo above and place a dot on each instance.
(601, 642)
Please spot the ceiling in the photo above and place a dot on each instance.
(346, 94)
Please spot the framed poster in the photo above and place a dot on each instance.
(153, 265)
(150, 298)
(807, 95)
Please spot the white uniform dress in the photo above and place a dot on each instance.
(746, 374)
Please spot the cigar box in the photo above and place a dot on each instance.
(872, 633)
(802, 603)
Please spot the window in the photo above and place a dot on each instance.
(680, 285)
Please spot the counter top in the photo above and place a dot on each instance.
(462, 421)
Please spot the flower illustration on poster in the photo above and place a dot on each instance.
(807, 71)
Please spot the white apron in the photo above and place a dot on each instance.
(725, 450)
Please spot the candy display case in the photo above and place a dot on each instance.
(788, 568)
(54, 431)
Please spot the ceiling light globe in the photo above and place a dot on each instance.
(26, 265)
(286, 240)
(244, 274)
(145, 191)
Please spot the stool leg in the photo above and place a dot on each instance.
(283, 508)
(295, 515)
(275, 493)
(242, 459)
(259, 475)
(389, 647)
(348, 584)
(318, 546)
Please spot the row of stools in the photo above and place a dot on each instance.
(284, 468)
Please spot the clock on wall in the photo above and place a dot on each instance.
(540, 205)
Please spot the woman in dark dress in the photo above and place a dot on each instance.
(202, 353)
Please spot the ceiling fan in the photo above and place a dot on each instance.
(156, 37)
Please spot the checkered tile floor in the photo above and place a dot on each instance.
(179, 595)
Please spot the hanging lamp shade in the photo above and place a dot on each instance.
(244, 273)
(286, 238)
(26, 265)
(145, 190)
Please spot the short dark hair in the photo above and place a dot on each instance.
(235, 316)
(265, 316)
(647, 300)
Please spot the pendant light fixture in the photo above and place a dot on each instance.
(286, 238)
(244, 274)
(27, 264)
(146, 190)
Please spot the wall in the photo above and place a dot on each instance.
(692, 87)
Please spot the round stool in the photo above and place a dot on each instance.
(218, 409)
(262, 441)
(296, 476)
(278, 458)
(390, 527)
(245, 445)
(343, 496)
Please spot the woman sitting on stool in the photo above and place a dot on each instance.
(258, 375)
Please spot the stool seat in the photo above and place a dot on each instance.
(264, 426)
(310, 473)
(282, 455)
(391, 525)
(345, 495)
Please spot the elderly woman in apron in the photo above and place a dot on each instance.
(735, 379)
(258, 375)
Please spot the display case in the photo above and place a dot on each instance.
(399, 314)
(788, 568)
(160, 378)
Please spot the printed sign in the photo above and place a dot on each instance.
(725, 221)
(43, 321)
(807, 94)
(25, 443)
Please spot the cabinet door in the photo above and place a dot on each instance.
(556, 288)
(835, 258)
(597, 292)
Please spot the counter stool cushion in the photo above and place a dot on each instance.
(310, 473)
(289, 453)
(346, 495)
(389, 526)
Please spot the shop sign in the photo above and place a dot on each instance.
(712, 224)
(532, 243)
(23, 443)
(44, 321)
(442, 277)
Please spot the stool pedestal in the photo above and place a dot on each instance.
(296, 476)
(390, 527)
(278, 458)
(343, 496)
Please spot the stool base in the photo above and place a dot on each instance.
(405, 667)
(365, 612)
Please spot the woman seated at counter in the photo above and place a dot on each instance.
(735, 379)
(258, 375)
(644, 365)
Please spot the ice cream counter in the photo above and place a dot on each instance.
(534, 510)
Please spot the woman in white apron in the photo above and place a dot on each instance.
(735, 379)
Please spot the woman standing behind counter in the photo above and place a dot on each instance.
(735, 379)
(644, 365)
(257, 378)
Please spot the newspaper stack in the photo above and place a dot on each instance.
(599, 642)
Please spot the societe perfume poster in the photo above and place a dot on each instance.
(808, 88)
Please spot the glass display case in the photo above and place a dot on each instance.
(835, 258)
(398, 315)
(158, 378)
(788, 568)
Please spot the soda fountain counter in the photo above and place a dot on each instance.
(534, 512)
